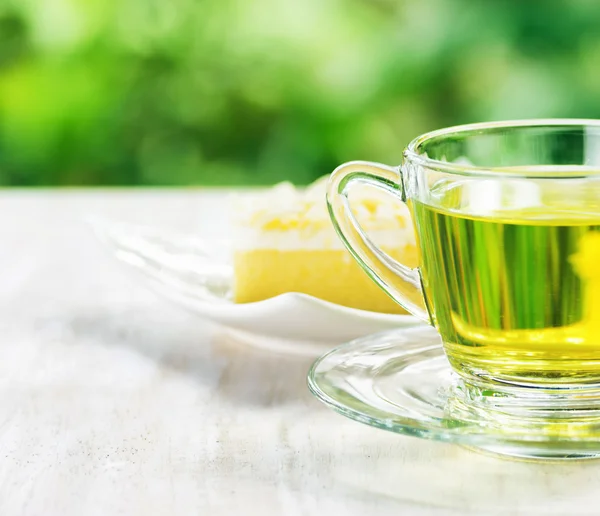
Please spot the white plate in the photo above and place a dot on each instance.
(198, 275)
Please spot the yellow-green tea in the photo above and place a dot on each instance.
(518, 296)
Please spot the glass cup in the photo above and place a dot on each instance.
(507, 222)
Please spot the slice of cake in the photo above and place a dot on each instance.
(285, 242)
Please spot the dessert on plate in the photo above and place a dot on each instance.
(284, 242)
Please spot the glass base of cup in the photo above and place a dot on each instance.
(401, 381)
(564, 414)
(551, 370)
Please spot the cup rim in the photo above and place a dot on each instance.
(412, 155)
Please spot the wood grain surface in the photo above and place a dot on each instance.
(114, 402)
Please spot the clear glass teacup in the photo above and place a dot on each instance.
(507, 221)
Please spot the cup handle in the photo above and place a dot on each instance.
(400, 282)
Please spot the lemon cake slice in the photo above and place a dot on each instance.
(285, 242)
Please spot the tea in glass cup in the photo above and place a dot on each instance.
(507, 220)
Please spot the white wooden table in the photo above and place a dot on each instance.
(115, 402)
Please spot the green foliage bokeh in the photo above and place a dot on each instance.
(148, 92)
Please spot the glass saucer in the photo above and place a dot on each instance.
(401, 381)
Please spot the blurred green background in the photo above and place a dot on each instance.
(221, 92)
